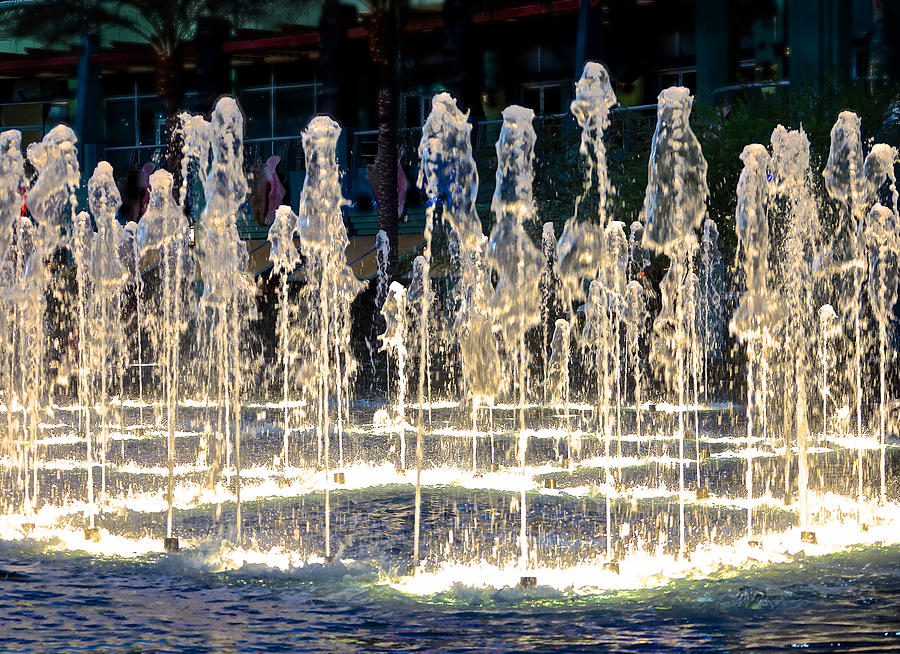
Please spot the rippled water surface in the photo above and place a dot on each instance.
(72, 602)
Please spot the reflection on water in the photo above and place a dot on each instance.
(160, 603)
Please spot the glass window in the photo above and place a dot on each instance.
(293, 109)
(531, 98)
(668, 79)
(21, 114)
(30, 136)
(552, 100)
(257, 122)
(56, 114)
(120, 160)
(152, 117)
(120, 122)
(257, 151)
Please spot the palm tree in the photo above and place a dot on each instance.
(384, 27)
(165, 25)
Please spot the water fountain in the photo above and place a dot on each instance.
(394, 340)
(285, 259)
(758, 314)
(228, 457)
(674, 206)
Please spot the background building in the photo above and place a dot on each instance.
(318, 57)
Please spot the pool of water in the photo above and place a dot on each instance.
(767, 590)
(164, 603)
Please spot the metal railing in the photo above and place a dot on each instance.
(364, 144)
(41, 106)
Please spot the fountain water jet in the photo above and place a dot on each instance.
(674, 206)
(475, 526)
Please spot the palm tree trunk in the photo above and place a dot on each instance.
(383, 46)
(170, 88)
(386, 170)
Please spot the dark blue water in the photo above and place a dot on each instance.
(848, 601)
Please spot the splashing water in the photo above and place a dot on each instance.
(248, 418)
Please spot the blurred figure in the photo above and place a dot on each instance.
(403, 183)
(266, 191)
(135, 191)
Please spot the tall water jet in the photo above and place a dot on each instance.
(757, 315)
(450, 175)
(51, 201)
(285, 258)
(228, 290)
(674, 206)
(331, 284)
(581, 253)
(382, 259)
(126, 237)
(710, 296)
(393, 340)
(558, 378)
(637, 254)
(12, 175)
(549, 283)
(449, 178)
(582, 249)
(81, 246)
(418, 285)
(692, 306)
(791, 194)
(12, 186)
(615, 279)
(163, 231)
(636, 313)
(827, 330)
(883, 244)
(581, 246)
(636, 316)
(598, 316)
(419, 296)
(881, 179)
(382, 262)
(854, 185)
(844, 182)
(516, 301)
(594, 97)
(108, 276)
(138, 289)
(482, 366)
(604, 311)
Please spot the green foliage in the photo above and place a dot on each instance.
(163, 24)
(723, 131)
(558, 170)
